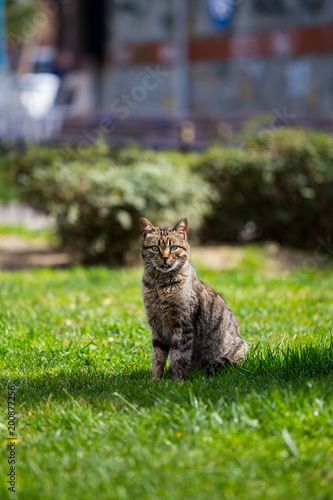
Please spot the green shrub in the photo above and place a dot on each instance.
(278, 187)
(21, 160)
(8, 178)
(98, 204)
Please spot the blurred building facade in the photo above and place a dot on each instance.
(224, 60)
(205, 57)
(273, 54)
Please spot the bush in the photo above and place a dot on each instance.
(23, 159)
(278, 187)
(98, 200)
(8, 179)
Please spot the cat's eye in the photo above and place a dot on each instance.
(174, 247)
(155, 248)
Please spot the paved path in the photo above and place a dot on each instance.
(13, 213)
(17, 252)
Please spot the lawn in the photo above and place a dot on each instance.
(91, 423)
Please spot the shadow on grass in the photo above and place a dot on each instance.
(266, 369)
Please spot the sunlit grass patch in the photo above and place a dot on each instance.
(91, 422)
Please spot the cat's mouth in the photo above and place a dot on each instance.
(165, 267)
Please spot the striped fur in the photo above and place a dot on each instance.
(189, 321)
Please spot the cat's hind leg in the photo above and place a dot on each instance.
(222, 363)
(180, 353)
(217, 366)
(239, 353)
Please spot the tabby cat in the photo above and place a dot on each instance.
(188, 319)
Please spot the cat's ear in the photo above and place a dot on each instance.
(147, 227)
(181, 226)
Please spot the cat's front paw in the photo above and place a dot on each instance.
(177, 373)
(158, 372)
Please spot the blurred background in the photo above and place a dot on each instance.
(231, 98)
(222, 60)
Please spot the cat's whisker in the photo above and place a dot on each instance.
(196, 266)
(149, 267)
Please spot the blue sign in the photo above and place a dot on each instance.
(221, 11)
(3, 42)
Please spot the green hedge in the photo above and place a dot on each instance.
(98, 199)
(279, 186)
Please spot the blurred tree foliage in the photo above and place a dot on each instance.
(18, 15)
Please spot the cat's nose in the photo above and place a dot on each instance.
(165, 255)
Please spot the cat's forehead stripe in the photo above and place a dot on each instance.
(166, 236)
(164, 230)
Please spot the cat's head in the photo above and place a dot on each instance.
(164, 249)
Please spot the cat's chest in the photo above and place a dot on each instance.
(163, 299)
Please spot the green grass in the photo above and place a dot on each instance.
(92, 424)
(34, 236)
